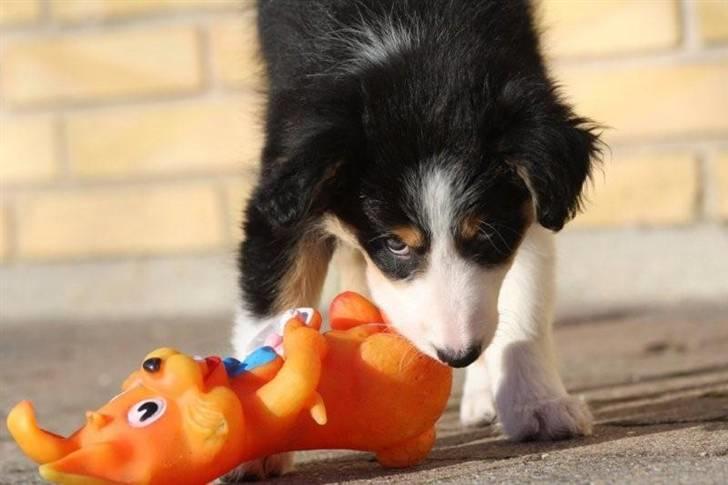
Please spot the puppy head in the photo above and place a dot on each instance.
(441, 206)
(438, 240)
(435, 163)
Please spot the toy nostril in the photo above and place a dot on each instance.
(459, 358)
(153, 364)
(96, 419)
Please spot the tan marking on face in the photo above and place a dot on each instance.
(336, 227)
(303, 283)
(410, 235)
(470, 226)
(348, 257)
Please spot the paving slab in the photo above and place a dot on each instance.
(657, 383)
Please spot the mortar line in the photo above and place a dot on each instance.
(665, 58)
(710, 197)
(9, 209)
(45, 13)
(129, 101)
(204, 61)
(224, 216)
(653, 145)
(142, 180)
(120, 257)
(61, 147)
(691, 38)
(161, 18)
(206, 56)
(701, 179)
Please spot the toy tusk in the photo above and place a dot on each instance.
(40, 445)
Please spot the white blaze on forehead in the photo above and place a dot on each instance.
(454, 283)
(374, 41)
(438, 200)
(380, 42)
(453, 303)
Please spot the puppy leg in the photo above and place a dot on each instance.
(530, 398)
(476, 404)
(268, 467)
(279, 270)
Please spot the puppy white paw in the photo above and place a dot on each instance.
(476, 409)
(268, 467)
(548, 419)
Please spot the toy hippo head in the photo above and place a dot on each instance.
(174, 412)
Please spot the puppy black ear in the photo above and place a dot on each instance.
(556, 168)
(552, 150)
(296, 187)
(310, 137)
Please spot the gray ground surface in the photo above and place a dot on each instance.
(657, 383)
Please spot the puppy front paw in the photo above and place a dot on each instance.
(547, 419)
(268, 467)
(476, 408)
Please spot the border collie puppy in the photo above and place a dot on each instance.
(424, 141)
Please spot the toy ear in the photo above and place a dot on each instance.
(136, 377)
(208, 418)
(351, 309)
(169, 371)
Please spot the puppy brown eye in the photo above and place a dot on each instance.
(397, 247)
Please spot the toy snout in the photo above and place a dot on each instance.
(40, 445)
(96, 420)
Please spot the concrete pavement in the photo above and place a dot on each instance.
(657, 383)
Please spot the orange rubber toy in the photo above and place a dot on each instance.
(185, 420)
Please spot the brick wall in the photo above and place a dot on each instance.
(128, 127)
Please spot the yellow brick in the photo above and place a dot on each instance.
(4, 234)
(18, 12)
(27, 149)
(199, 136)
(656, 189)
(235, 52)
(721, 166)
(604, 27)
(104, 222)
(237, 194)
(107, 65)
(655, 102)
(713, 20)
(75, 10)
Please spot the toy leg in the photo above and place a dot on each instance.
(409, 452)
(476, 405)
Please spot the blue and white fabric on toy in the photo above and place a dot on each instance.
(257, 358)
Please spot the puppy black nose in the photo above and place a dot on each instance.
(459, 358)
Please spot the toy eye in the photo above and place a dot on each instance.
(397, 247)
(152, 364)
(146, 412)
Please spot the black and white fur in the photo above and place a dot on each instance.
(423, 142)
